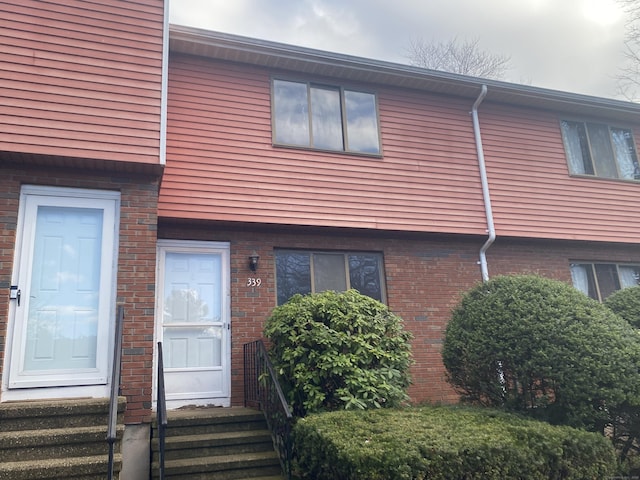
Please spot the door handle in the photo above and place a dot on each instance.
(15, 293)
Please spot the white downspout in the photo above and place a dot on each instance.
(485, 186)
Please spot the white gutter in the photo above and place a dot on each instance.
(485, 186)
(164, 85)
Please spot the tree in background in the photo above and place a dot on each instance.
(454, 56)
(629, 75)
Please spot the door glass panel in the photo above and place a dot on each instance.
(62, 320)
(192, 312)
(188, 347)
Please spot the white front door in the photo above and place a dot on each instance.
(64, 272)
(193, 321)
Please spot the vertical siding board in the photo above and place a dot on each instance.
(221, 164)
(82, 76)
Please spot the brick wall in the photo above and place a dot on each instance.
(136, 265)
(424, 280)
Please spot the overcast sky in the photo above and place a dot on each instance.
(569, 45)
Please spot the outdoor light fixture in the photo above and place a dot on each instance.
(253, 261)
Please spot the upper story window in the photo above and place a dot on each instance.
(599, 280)
(325, 117)
(306, 272)
(600, 150)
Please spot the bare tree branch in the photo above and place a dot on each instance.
(464, 57)
(629, 73)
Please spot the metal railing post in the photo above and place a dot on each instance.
(112, 428)
(161, 413)
(263, 390)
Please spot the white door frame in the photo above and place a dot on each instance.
(96, 383)
(193, 246)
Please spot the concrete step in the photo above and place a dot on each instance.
(222, 467)
(221, 443)
(213, 420)
(209, 444)
(55, 443)
(74, 468)
(66, 413)
(57, 439)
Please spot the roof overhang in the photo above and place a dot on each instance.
(278, 56)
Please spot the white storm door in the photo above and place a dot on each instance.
(65, 275)
(195, 320)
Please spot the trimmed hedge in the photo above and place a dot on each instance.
(626, 303)
(446, 443)
(540, 347)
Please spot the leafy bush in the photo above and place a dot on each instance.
(626, 418)
(626, 303)
(446, 443)
(339, 350)
(540, 347)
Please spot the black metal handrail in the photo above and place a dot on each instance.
(262, 390)
(112, 428)
(161, 414)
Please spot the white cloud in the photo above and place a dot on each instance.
(569, 45)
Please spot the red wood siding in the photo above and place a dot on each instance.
(81, 78)
(221, 164)
(534, 195)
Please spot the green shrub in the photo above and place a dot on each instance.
(540, 347)
(446, 443)
(339, 350)
(626, 303)
(626, 418)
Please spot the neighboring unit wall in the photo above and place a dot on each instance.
(221, 164)
(135, 270)
(532, 192)
(82, 78)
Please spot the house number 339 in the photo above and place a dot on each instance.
(254, 282)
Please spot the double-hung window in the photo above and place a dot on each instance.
(304, 272)
(325, 117)
(600, 150)
(599, 280)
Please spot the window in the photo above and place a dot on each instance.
(325, 117)
(599, 280)
(306, 272)
(600, 150)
